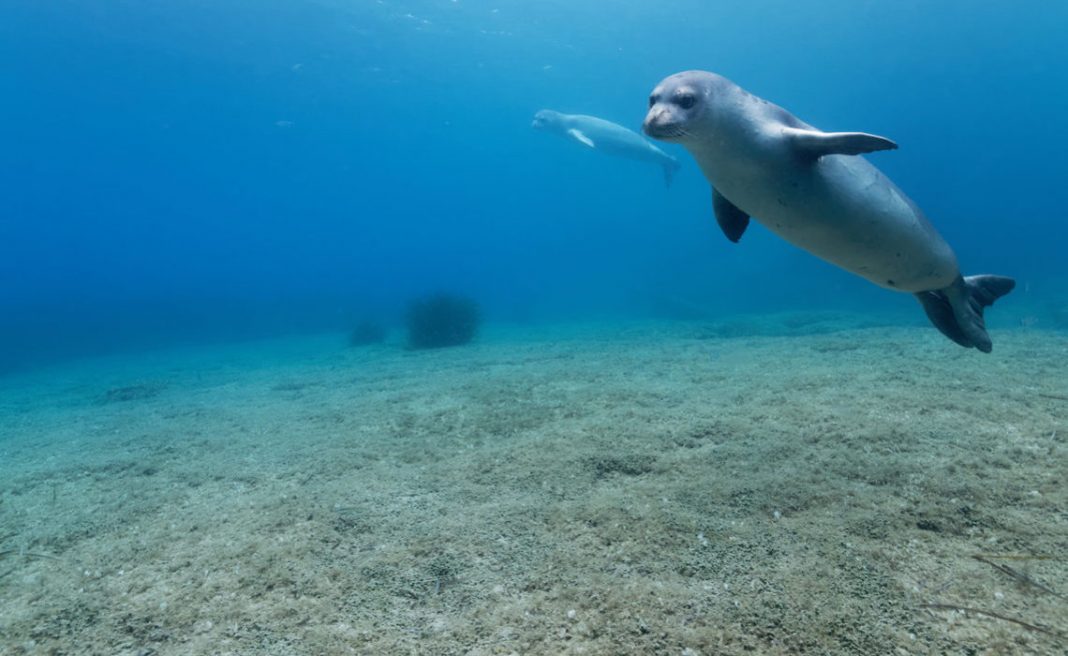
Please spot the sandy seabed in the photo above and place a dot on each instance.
(815, 487)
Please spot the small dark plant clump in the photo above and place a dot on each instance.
(367, 332)
(442, 320)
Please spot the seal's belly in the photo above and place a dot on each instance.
(843, 210)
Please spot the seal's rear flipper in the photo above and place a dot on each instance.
(938, 310)
(957, 310)
(815, 144)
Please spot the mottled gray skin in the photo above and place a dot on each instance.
(606, 137)
(810, 188)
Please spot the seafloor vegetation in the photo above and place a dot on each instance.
(654, 490)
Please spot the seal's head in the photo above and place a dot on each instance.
(677, 104)
(546, 119)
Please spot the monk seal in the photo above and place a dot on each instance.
(606, 137)
(811, 188)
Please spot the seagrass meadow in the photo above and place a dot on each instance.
(797, 484)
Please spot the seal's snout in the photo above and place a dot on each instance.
(660, 124)
(649, 124)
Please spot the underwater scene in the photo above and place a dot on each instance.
(492, 327)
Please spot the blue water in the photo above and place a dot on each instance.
(176, 171)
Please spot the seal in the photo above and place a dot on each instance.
(811, 188)
(607, 137)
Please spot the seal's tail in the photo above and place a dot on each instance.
(957, 310)
(670, 167)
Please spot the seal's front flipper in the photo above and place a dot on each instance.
(670, 167)
(957, 310)
(732, 221)
(814, 144)
(580, 137)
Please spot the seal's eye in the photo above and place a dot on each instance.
(652, 100)
(686, 100)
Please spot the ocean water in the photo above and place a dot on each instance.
(205, 170)
(659, 442)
